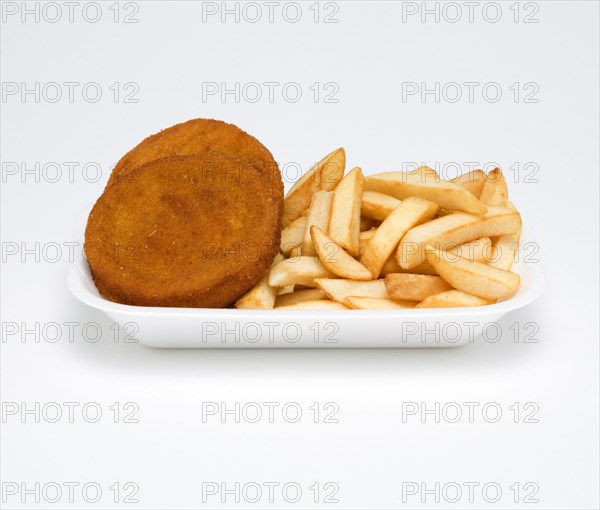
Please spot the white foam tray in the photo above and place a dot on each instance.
(230, 328)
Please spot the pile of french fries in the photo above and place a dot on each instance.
(391, 240)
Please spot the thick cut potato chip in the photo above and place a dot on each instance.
(286, 289)
(422, 268)
(298, 271)
(504, 251)
(436, 243)
(336, 259)
(370, 303)
(367, 234)
(447, 194)
(262, 295)
(344, 223)
(450, 231)
(318, 214)
(299, 296)
(473, 181)
(473, 277)
(452, 299)
(338, 290)
(363, 240)
(321, 304)
(411, 250)
(495, 190)
(479, 250)
(505, 248)
(293, 235)
(409, 213)
(325, 175)
(414, 287)
(377, 205)
(296, 252)
(391, 266)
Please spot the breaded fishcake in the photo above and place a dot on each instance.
(200, 135)
(184, 231)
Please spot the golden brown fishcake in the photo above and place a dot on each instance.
(184, 231)
(200, 135)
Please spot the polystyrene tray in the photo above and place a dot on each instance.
(230, 328)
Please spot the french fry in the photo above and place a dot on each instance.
(410, 212)
(336, 259)
(414, 287)
(479, 250)
(321, 304)
(495, 190)
(318, 214)
(447, 195)
(299, 296)
(262, 295)
(450, 231)
(504, 251)
(377, 205)
(452, 299)
(422, 268)
(391, 266)
(411, 249)
(363, 240)
(362, 246)
(344, 222)
(392, 240)
(296, 252)
(293, 235)
(338, 290)
(472, 277)
(286, 289)
(473, 181)
(303, 287)
(298, 271)
(370, 303)
(323, 176)
(505, 248)
(367, 234)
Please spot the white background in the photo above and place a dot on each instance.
(370, 452)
